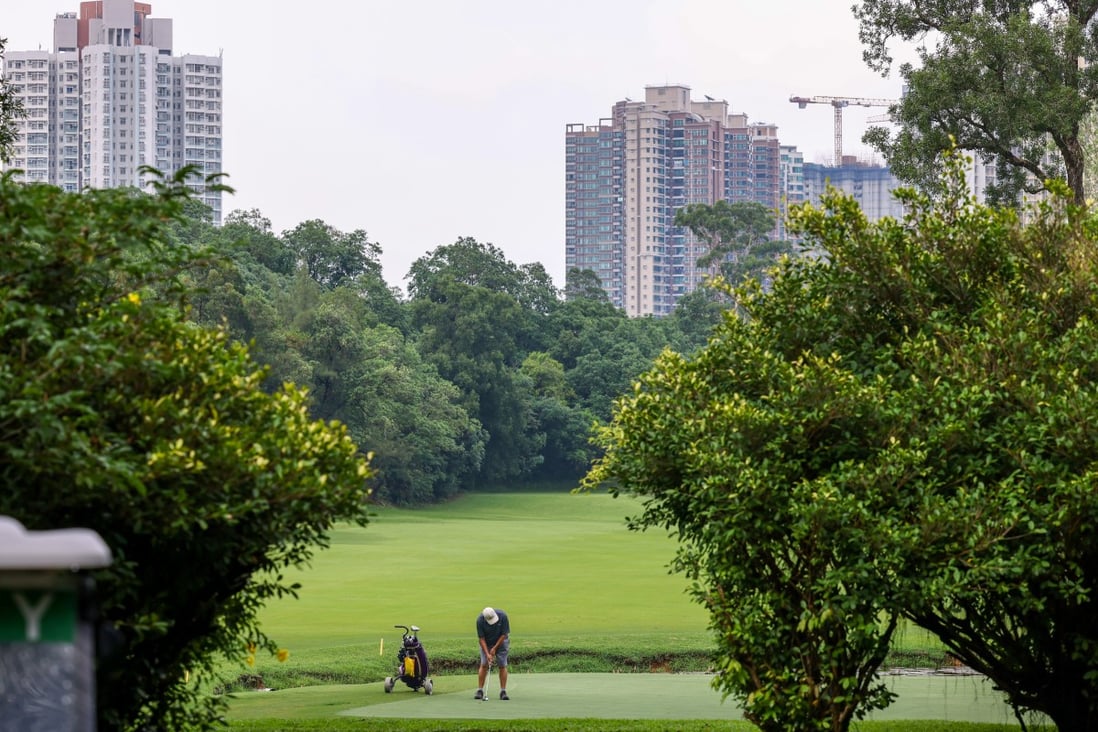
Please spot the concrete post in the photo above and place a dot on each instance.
(47, 646)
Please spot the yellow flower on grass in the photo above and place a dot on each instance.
(134, 297)
(283, 654)
(250, 660)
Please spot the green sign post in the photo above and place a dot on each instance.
(47, 652)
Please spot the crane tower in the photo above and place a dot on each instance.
(838, 103)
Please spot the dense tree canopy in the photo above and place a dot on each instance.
(486, 334)
(423, 453)
(119, 415)
(584, 284)
(473, 335)
(695, 316)
(311, 304)
(332, 257)
(515, 375)
(1012, 80)
(901, 428)
(254, 237)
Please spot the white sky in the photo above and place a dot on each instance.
(421, 122)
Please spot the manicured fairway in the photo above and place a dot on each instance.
(563, 566)
(603, 696)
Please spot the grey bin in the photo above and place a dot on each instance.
(47, 646)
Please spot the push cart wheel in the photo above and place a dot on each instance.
(428, 687)
(388, 684)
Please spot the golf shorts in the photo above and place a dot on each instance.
(501, 655)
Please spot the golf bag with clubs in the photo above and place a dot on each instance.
(412, 667)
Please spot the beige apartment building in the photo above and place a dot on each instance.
(627, 175)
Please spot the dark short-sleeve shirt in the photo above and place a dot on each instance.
(492, 633)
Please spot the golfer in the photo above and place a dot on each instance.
(493, 633)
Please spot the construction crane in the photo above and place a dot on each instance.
(838, 103)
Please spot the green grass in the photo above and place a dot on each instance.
(583, 593)
(623, 699)
(559, 564)
(571, 576)
(584, 725)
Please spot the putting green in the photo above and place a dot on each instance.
(611, 696)
(606, 696)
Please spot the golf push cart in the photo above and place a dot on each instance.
(412, 666)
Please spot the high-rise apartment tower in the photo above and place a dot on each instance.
(627, 175)
(110, 97)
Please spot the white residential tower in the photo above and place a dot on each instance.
(110, 98)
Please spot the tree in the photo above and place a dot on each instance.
(695, 316)
(1012, 81)
(475, 264)
(478, 316)
(421, 455)
(332, 345)
(479, 264)
(729, 230)
(119, 415)
(991, 331)
(731, 453)
(564, 425)
(584, 284)
(252, 230)
(901, 427)
(11, 109)
(350, 261)
(332, 257)
(365, 375)
(471, 334)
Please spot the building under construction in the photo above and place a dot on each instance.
(870, 185)
(627, 176)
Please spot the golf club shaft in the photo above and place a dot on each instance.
(487, 680)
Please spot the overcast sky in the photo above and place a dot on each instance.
(421, 122)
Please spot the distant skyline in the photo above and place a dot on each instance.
(422, 122)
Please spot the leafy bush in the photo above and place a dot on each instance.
(118, 415)
(902, 428)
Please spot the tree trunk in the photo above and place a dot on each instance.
(1067, 705)
(1074, 162)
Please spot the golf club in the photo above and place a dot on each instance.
(488, 679)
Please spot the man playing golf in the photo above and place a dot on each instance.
(493, 632)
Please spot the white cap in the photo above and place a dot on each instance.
(490, 615)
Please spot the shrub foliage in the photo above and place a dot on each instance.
(903, 427)
(119, 415)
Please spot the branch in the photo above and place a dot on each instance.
(925, 19)
(1083, 12)
(997, 147)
